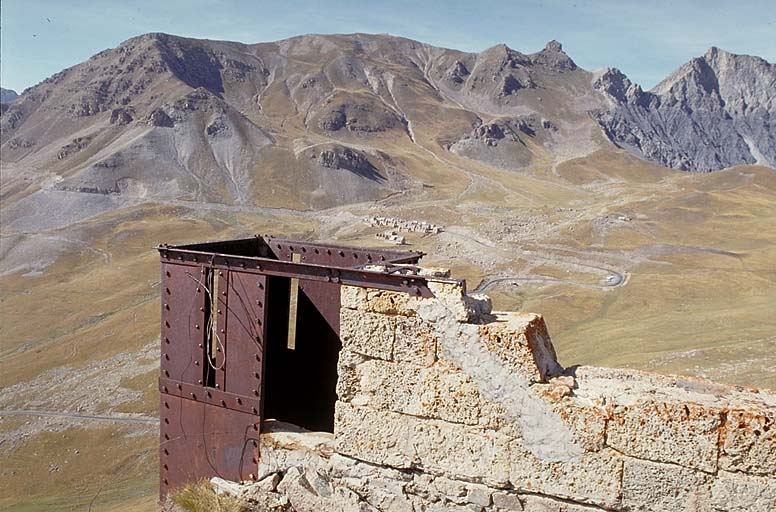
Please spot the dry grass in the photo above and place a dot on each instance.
(201, 497)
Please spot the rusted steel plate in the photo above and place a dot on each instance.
(209, 395)
(239, 247)
(337, 255)
(199, 440)
(414, 285)
(245, 321)
(183, 322)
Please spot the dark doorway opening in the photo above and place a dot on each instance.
(299, 383)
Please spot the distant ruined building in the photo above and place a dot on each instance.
(337, 379)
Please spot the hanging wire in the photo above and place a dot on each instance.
(211, 326)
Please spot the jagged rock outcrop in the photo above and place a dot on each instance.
(348, 159)
(716, 111)
(500, 143)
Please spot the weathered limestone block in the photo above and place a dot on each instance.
(370, 334)
(383, 487)
(436, 392)
(378, 301)
(748, 442)
(453, 297)
(585, 417)
(415, 342)
(735, 492)
(654, 487)
(384, 438)
(683, 433)
(402, 441)
(462, 452)
(521, 341)
(592, 478)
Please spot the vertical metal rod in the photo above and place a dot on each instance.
(292, 305)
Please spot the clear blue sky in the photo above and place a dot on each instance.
(645, 39)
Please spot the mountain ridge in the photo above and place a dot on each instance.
(174, 117)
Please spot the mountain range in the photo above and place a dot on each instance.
(316, 121)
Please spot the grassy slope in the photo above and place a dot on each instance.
(698, 300)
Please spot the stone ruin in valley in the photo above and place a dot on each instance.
(438, 403)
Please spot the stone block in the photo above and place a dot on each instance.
(586, 418)
(435, 392)
(400, 441)
(479, 495)
(451, 295)
(521, 341)
(384, 438)
(507, 501)
(683, 433)
(592, 478)
(369, 334)
(748, 442)
(462, 452)
(378, 301)
(415, 342)
(654, 487)
(735, 492)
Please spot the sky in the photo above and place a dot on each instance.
(645, 39)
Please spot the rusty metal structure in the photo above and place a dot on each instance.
(250, 330)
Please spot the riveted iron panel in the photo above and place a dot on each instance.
(199, 440)
(209, 395)
(245, 319)
(183, 322)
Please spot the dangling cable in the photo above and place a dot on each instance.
(212, 298)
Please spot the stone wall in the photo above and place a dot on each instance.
(445, 406)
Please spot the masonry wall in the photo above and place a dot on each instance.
(443, 405)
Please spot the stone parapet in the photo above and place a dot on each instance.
(444, 405)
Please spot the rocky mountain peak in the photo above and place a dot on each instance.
(613, 83)
(553, 46)
(7, 95)
(719, 96)
(554, 57)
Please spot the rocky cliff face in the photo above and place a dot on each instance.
(716, 111)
